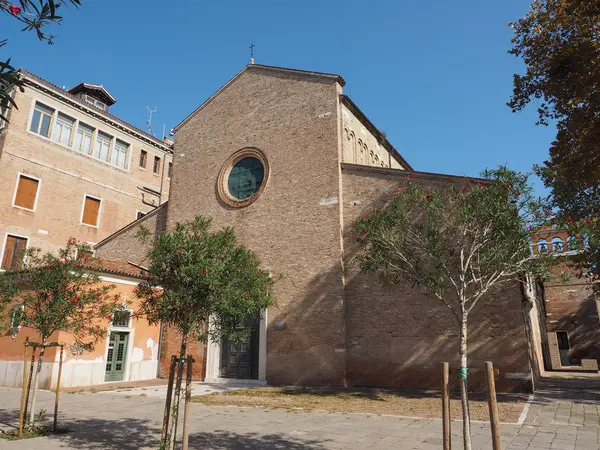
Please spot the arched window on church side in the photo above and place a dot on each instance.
(557, 245)
(360, 153)
(349, 151)
(542, 246)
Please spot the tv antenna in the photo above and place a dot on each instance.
(252, 53)
(151, 111)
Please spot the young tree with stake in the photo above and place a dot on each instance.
(458, 242)
(52, 293)
(196, 275)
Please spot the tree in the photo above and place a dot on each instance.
(458, 243)
(196, 275)
(559, 42)
(35, 15)
(56, 293)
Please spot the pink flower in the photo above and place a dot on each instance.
(14, 10)
(357, 239)
(366, 215)
(204, 271)
(410, 175)
(428, 196)
(246, 294)
(587, 221)
(179, 250)
(483, 186)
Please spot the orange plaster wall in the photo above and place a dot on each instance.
(12, 350)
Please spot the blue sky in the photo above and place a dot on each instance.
(435, 76)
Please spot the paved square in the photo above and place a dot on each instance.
(120, 421)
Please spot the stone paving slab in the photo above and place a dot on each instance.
(198, 388)
(133, 422)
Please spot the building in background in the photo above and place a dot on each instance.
(129, 352)
(569, 307)
(69, 168)
(289, 161)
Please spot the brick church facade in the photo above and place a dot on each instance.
(319, 164)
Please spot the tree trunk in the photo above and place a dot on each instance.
(175, 408)
(35, 383)
(464, 393)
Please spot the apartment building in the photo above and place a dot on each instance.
(69, 168)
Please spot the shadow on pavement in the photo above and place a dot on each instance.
(225, 440)
(133, 434)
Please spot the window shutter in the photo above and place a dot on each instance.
(26, 192)
(9, 250)
(90, 211)
(12, 252)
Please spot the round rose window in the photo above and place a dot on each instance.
(243, 177)
(246, 178)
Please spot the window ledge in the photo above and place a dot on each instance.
(88, 225)
(23, 208)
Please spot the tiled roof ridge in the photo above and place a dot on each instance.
(114, 267)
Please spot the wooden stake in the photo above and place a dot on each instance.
(60, 362)
(165, 427)
(23, 390)
(188, 397)
(489, 371)
(446, 406)
(29, 384)
(173, 441)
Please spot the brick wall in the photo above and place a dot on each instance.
(400, 338)
(294, 224)
(572, 306)
(171, 345)
(66, 176)
(125, 246)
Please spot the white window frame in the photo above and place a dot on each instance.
(37, 194)
(73, 126)
(84, 133)
(95, 134)
(6, 234)
(99, 211)
(137, 211)
(52, 119)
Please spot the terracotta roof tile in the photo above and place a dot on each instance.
(114, 267)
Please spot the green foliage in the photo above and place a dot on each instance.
(51, 293)
(196, 273)
(35, 15)
(456, 240)
(559, 43)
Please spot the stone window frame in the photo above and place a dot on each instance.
(222, 186)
